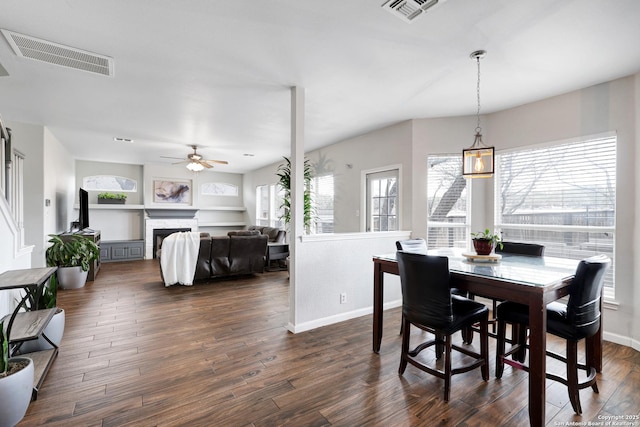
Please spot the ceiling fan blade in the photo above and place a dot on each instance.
(205, 164)
(221, 162)
(178, 163)
(168, 157)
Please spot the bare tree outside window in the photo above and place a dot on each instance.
(446, 202)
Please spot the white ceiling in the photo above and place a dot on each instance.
(217, 73)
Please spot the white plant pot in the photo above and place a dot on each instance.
(15, 394)
(53, 331)
(71, 277)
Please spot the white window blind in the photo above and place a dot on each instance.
(447, 202)
(268, 206)
(322, 197)
(562, 196)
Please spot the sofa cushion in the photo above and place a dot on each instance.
(243, 233)
(247, 254)
(219, 255)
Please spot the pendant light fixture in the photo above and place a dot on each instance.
(477, 160)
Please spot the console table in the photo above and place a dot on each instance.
(29, 325)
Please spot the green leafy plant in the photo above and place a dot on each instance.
(42, 297)
(284, 175)
(4, 357)
(118, 196)
(72, 251)
(487, 235)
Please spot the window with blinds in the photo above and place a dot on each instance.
(447, 202)
(268, 206)
(322, 197)
(562, 196)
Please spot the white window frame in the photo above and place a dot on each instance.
(608, 291)
(273, 209)
(363, 192)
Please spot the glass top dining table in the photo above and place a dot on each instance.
(534, 281)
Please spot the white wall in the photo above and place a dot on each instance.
(58, 184)
(331, 264)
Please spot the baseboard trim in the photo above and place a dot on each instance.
(341, 317)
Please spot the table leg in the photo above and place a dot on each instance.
(378, 286)
(537, 361)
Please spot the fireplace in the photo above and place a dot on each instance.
(160, 233)
(164, 226)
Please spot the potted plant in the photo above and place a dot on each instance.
(41, 298)
(112, 198)
(73, 255)
(485, 241)
(284, 175)
(16, 383)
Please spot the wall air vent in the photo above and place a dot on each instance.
(54, 53)
(408, 10)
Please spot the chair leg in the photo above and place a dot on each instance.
(484, 348)
(521, 339)
(493, 313)
(440, 346)
(572, 375)
(500, 344)
(406, 329)
(447, 368)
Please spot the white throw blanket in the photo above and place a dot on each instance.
(179, 257)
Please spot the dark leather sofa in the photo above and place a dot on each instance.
(276, 235)
(238, 253)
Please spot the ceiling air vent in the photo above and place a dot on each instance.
(54, 53)
(408, 10)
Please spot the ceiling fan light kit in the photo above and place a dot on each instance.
(478, 160)
(195, 162)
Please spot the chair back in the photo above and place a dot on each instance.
(583, 308)
(426, 293)
(517, 248)
(416, 246)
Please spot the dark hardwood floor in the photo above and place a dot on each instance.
(219, 354)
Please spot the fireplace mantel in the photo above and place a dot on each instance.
(155, 213)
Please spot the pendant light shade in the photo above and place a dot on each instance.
(478, 160)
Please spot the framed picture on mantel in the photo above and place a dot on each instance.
(172, 191)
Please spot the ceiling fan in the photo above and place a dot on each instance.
(195, 162)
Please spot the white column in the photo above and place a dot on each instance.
(296, 226)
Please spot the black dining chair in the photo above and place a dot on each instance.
(579, 318)
(428, 304)
(509, 248)
(419, 246)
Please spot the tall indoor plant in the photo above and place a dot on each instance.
(284, 175)
(73, 255)
(16, 383)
